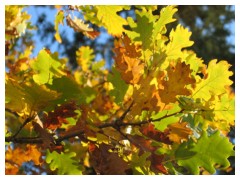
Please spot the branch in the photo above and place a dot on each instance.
(39, 140)
(24, 140)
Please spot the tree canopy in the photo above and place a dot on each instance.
(158, 108)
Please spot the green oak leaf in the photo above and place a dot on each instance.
(207, 152)
(24, 98)
(162, 125)
(46, 66)
(119, 86)
(70, 90)
(142, 30)
(63, 163)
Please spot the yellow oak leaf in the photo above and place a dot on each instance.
(179, 132)
(178, 39)
(215, 81)
(179, 77)
(85, 56)
(110, 19)
(58, 20)
(127, 61)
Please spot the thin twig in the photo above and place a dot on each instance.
(22, 126)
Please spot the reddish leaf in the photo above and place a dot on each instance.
(55, 119)
(149, 131)
(156, 163)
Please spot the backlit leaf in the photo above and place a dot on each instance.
(178, 132)
(178, 39)
(110, 19)
(208, 152)
(46, 67)
(58, 20)
(178, 78)
(85, 56)
(215, 81)
(63, 163)
(127, 61)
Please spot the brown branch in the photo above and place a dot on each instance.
(39, 140)
(24, 140)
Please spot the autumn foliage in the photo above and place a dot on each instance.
(158, 110)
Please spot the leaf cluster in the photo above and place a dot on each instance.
(159, 110)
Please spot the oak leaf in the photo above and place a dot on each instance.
(108, 16)
(215, 81)
(150, 131)
(179, 132)
(105, 162)
(56, 118)
(102, 104)
(179, 77)
(127, 61)
(16, 157)
(77, 24)
(58, 20)
(179, 39)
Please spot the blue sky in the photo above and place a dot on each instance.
(51, 13)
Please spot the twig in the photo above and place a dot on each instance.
(38, 140)
(22, 126)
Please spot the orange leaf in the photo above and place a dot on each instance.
(102, 104)
(15, 157)
(178, 77)
(11, 169)
(147, 97)
(127, 61)
(92, 34)
(179, 132)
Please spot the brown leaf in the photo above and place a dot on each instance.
(77, 24)
(179, 132)
(149, 131)
(55, 119)
(141, 143)
(105, 162)
(156, 163)
(47, 138)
